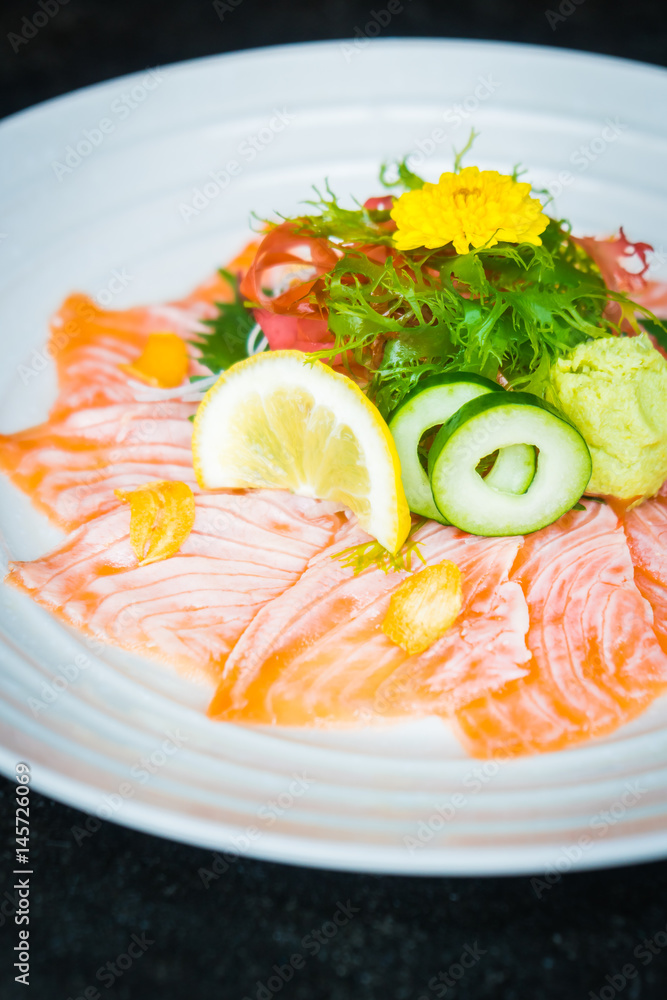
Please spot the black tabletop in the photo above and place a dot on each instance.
(120, 914)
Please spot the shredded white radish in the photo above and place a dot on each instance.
(256, 342)
(189, 392)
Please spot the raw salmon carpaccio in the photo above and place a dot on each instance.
(596, 660)
(243, 551)
(317, 654)
(71, 465)
(646, 530)
(556, 642)
(98, 438)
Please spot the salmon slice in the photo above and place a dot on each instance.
(646, 530)
(71, 466)
(189, 610)
(89, 344)
(98, 437)
(596, 661)
(317, 654)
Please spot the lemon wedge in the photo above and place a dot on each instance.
(276, 420)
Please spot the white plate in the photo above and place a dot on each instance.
(323, 110)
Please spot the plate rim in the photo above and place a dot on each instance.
(553, 51)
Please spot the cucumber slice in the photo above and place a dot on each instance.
(493, 422)
(514, 469)
(433, 402)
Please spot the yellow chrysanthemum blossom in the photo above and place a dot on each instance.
(472, 208)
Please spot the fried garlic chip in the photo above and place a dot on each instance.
(161, 518)
(424, 607)
(163, 362)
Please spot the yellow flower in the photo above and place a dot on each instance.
(472, 208)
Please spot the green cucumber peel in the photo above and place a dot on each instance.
(433, 402)
(435, 399)
(491, 422)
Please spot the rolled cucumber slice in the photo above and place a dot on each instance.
(433, 402)
(496, 421)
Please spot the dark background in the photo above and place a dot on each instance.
(218, 942)
(93, 40)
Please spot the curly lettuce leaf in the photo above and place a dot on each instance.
(513, 308)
